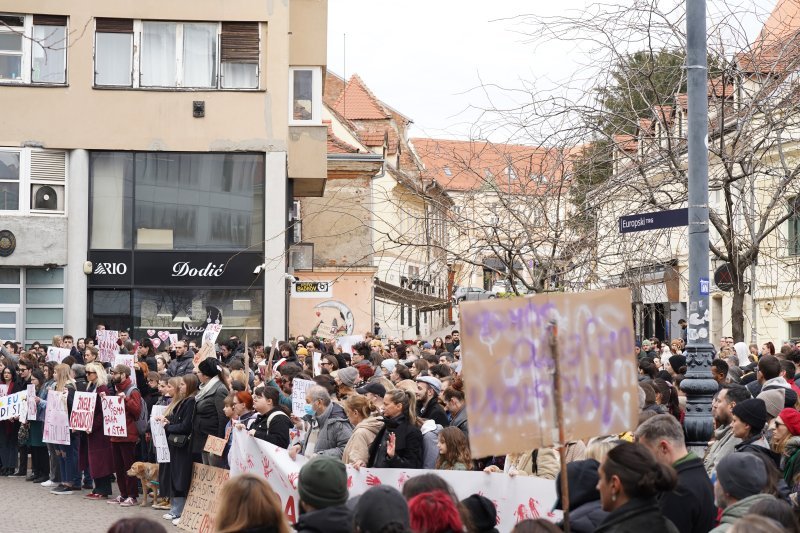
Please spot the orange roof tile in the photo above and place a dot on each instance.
(776, 48)
(336, 145)
(470, 165)
(357, 102)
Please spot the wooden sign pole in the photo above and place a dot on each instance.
(553, 335)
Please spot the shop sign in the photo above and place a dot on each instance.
(312, 289)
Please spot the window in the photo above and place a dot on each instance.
(794, 225)
(447, 171)
(305, 95)
(31, 304)
(794, 330)
(33, 180)
(33, 49)
(296, 223)
(191, 55)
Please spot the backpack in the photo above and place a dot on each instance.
(142, 420)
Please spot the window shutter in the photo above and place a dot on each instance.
(114, 25)
(49, 20)
(48, 165)
(239, 42)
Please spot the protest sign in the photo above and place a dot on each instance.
(346, 342)
(299, 388)
(107, 344)
(56, 355)
(56, 420)
(202, 500)
(211, 333)
(128, 360)
(515, 498)
(3, 389)
(158, 434)
(82, 416)
(205, 351)
(31, 399)
(508, 369)
(114, 417)
(317, 363)
(14, 406)
(215, 445)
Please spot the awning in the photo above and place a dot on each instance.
(401, 295)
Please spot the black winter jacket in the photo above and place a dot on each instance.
(433, 411)
(408, 445)
(336, 519)
(691, 505)
(277, 432)
(636, 516)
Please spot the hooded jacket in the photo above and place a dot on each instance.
(334, 432)
(584, 500)
(690, 506)
(758, 445)
(363, 435)
(181, 366)
(723, 445)
(737, 510)
(336, 519)
(789, 395)
(433, 411)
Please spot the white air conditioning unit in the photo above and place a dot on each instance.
(47, 197)
(48, 179)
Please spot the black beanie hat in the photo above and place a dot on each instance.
(482, 511)
(676, 362)
(209, 367)
(323, 482)
(752, 412)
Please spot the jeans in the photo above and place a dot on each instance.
(176, 505)
(55, 471)
(68, 461)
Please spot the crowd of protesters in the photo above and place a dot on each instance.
(391, 404)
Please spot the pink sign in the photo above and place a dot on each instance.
(56, 420)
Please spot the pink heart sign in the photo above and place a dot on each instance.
(156, 343)
(163, 335)
(151, 333)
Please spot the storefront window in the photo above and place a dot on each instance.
(185, 311)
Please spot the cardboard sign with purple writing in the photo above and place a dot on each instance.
(56, 355)
(31, 402)
(299, 388)
(508, 369)
(114, 417)
(107, 344)
(56, 420)
(82, 416)
(203, 498)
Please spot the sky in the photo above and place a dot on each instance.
(428, 59)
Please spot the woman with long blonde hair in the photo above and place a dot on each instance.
(248, 503)
(67, 453)
(362, 414)
(101, 461)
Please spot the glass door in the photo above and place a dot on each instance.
(8, 323)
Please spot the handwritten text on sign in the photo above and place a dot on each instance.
(56, 355)
(158, 434)
(32, 402)
(202, 500)
(56, 421)
(14, 406)
(107, 344)
(299, 388)
(114, 417)
(508, 369)
(82, 416)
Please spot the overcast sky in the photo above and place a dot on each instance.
(427, 58)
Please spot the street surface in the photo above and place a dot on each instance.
(31, 507)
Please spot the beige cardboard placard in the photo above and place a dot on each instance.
(508, 369)
(215, 445)
(202, 500)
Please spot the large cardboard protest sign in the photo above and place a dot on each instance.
(205, 351)
(299, 388)
(56, 355)
(31, 399)
(158, 434)
(203, 498)
(508, 369)
(56, 420)
(14, 406)
(516, 498)
(107, 344)
(82, 416)
(114, 417)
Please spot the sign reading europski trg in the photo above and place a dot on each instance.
(312, 289)
(508, 369)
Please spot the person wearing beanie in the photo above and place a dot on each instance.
(786, 442)
(690, 505)
(585, 512)
(322, 487)
(773, 400)
(735, 492)
(346, 378)
(483, 513)
(380, 507)
(749, 419)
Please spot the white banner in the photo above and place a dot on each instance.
(128, 360)
(56, 354)
(158, 434)
(114, 423)
(299, 388)
(14, 406)
(82, 416)
(516, 498)
(56, 420)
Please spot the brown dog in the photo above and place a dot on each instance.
(148, 475)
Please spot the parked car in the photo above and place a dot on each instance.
(504, 286)
(471, 293)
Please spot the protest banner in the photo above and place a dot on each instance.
(56, 355)
(82, 416)
(215, 445)
(317, 363)
(3, 389)
(128, 360)
(299, 388)
(107, 344)
(346, 342)
(515, 498)
(56, 420)
(211, 333)
(31, 399)
(158, 434)
(14, 406)
(205, 351)
(202, 500)
(114, 417)
(508, 369)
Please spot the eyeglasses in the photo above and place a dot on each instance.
(91, 372)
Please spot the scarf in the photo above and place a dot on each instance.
(206, 389)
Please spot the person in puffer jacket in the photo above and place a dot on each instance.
(585, 513)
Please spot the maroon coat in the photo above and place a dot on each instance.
(101, 462)
(133, 407)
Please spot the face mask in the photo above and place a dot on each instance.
(309, 410)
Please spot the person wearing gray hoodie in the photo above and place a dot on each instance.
(735, 492)
(722, 410)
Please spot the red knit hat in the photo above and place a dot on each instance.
(791, 418)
